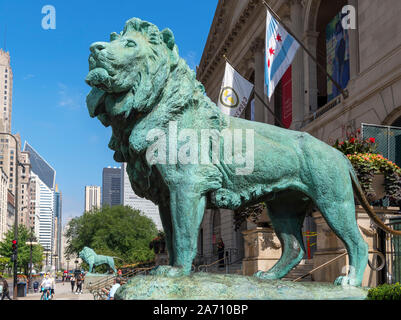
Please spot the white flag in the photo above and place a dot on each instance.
(280, 50)
(234, 93)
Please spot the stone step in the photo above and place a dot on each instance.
(303, 268)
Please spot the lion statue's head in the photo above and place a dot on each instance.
(129, 72)
(86, 253)
(139, 82)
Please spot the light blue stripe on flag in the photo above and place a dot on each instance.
(280, 49)
(282, 55)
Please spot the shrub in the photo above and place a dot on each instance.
(385, 292)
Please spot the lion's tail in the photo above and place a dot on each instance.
(118, 258)
(360, 195)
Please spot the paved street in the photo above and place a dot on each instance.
(62, 292)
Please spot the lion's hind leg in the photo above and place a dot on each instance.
(340, 216)
(287, 213)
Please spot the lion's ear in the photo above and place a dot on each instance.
(114, 36)
(168, 38)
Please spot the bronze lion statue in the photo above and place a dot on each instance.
(185, 155)
(92, 259)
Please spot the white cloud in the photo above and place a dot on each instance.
(67, 98)
(28, 76)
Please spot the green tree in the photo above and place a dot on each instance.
(117, 231)
(24, 235)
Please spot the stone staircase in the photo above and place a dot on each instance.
(304, 267)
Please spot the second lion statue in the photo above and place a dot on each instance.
(159, 112)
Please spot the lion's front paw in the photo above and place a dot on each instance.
(168, 271)
(347, 281)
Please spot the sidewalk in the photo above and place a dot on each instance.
(62, 292)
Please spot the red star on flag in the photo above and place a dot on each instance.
(271, 50)
(279, 38)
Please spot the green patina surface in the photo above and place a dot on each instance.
(205, 286)
(140, 84)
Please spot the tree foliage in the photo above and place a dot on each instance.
(117, 231)
(24, 235)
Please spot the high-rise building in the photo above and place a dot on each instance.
(34, 205)
(111, 187)
(7, 143)
(43, 177)
(92, 198)
(6, 88)
(129, 198)
(45, 195)
(24, 191)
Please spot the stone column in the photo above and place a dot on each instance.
(298, 91)
(310, 73)
(262, 250)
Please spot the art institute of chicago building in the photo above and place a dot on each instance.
(366, 61)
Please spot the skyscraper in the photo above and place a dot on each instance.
(6, 88)
(92, 198)
(7, 143)
(111, 186)
(43, 176)
(129, 198)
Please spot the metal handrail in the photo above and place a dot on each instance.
(208, 265)
(340, 256)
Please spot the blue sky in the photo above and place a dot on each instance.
(50, 66)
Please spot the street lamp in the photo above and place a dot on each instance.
(76, 263)
(31, 243)
(47, 251)
(55, 256)
(68, 264)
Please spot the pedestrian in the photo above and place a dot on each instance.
(79, 284)
(220, 252)
(72, 280)
(110, 293)
(63, 278)
(5, 291)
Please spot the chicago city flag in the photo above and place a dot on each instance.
(280, 50)
(234, 93)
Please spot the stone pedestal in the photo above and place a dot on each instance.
(329, 247)
(262, 250)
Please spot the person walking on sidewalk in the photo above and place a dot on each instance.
(5, 292)
(72, 280)
(79, 284)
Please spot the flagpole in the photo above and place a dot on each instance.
(343, 92)
(258, 96)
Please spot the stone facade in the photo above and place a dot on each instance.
(238, 32)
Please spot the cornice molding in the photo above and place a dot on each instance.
(213, 57)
